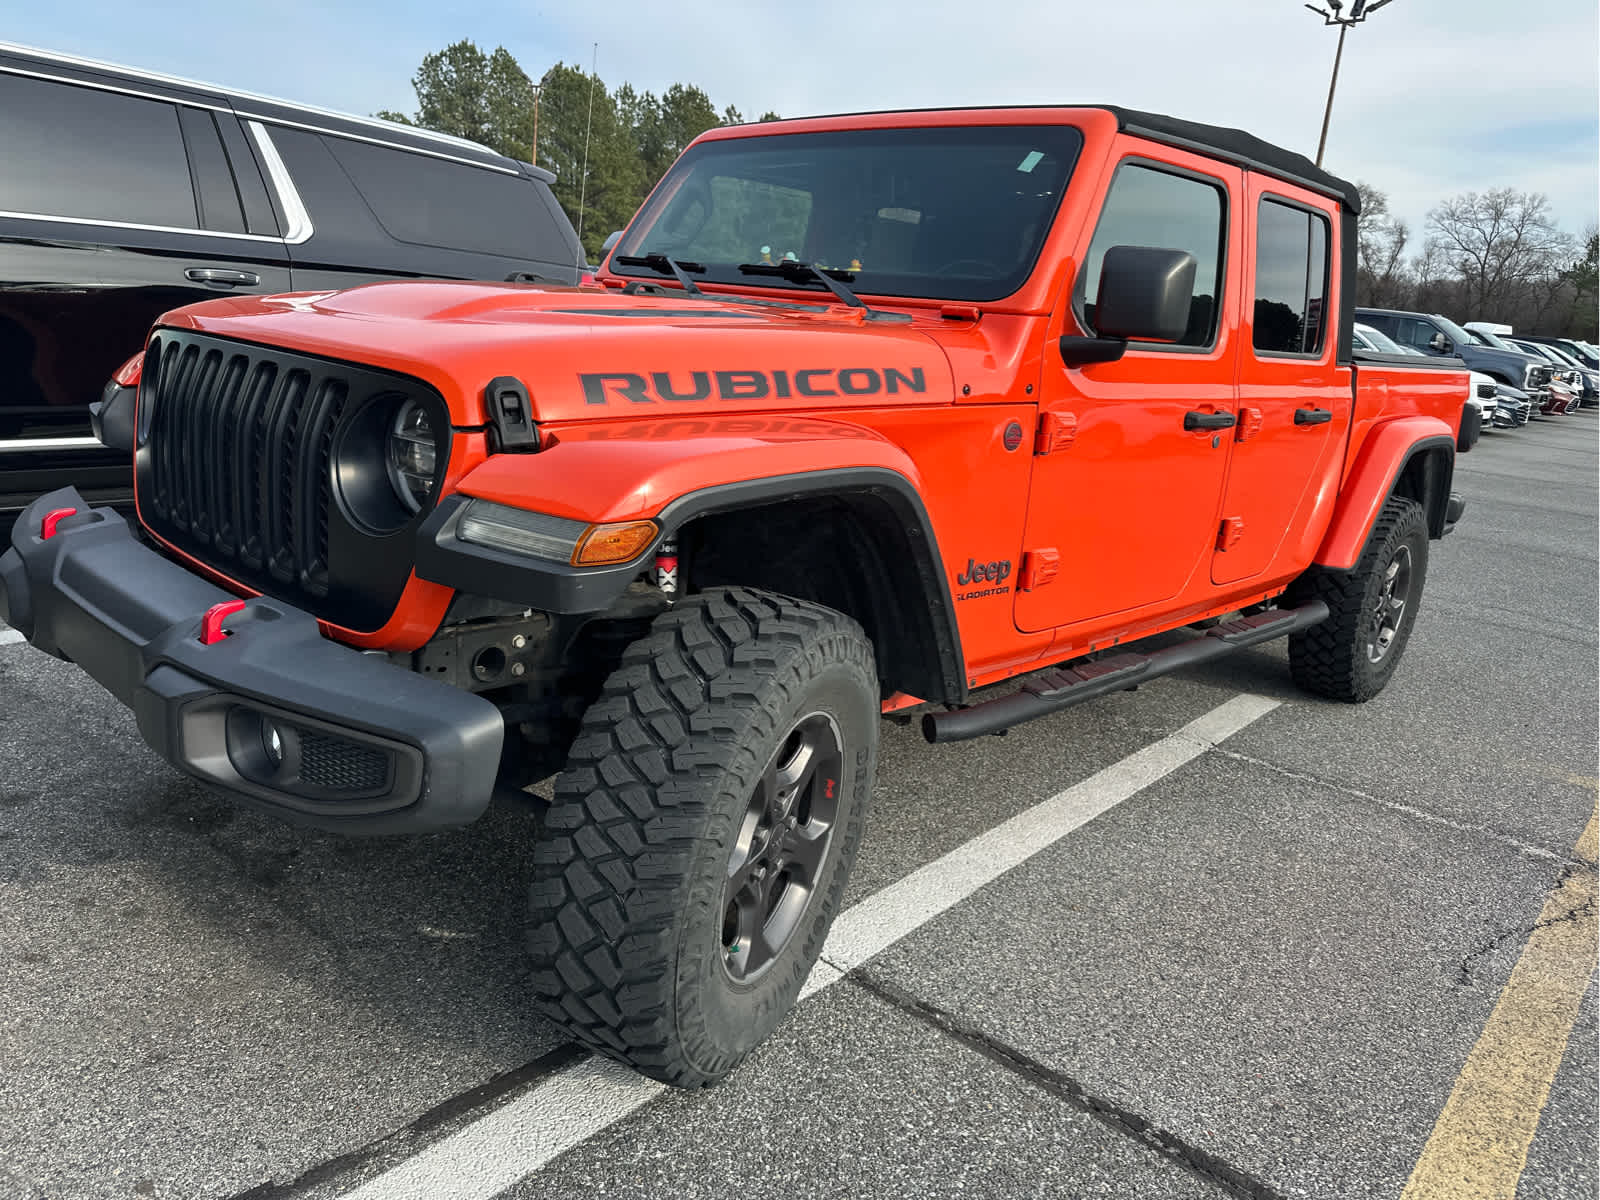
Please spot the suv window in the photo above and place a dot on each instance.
(1291, 279)
(1151, 207)
(1413, 331)
(80, 152)
(433, 202)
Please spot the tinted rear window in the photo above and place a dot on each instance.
(1291, 279)
(433, 202)
(68, 151)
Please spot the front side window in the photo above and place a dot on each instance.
(1410, 331)
(1151, 207)
(68, 151)
(1291, 291)
(956, 213)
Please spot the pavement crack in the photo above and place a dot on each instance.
(1201, 1163)
(1544, 853)
(406, 1138)
(1522, 933)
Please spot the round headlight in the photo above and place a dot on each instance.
(413, 455)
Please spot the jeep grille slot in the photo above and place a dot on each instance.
(238, 471)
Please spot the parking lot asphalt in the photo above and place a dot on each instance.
(1261, 974)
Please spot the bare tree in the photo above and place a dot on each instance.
(1498, 242)
(1382, 279)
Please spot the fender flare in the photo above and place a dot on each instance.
(729, 476)
(1383, 459)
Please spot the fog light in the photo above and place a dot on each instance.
(272, 743)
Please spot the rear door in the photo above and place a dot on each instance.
(1294, 404)
(116, 204)
(1132, 454)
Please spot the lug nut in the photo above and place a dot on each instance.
(518, 669)
(519, 641)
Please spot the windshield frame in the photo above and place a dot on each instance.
(1062, 140)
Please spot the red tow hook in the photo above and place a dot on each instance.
(47, 528)
(211, 630)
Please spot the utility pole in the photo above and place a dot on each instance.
(1360, 10)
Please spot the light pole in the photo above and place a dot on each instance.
(1360, 10)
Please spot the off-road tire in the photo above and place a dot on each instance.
(1332, 659)
(627, 905)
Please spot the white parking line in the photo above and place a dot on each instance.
(573, 1105)
(7, 636)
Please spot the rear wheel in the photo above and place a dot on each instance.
(700, 838)
(1371, 609)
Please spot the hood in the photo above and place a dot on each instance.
(1508, 360)
(586, 354)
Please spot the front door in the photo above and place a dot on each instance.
(1294, 405)
(1132, 457)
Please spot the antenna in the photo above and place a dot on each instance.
(583, 181)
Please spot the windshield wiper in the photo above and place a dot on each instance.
(662, 264)
(830, 277)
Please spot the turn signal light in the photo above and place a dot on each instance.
(615, 543)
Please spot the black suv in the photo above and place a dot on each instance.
(125, 194)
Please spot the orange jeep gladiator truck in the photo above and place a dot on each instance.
(865, 413)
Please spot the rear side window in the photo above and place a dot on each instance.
(433, 202)
(1150, 207)
(72, 151)
(1291, 279)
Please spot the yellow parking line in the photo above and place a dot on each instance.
(1480, 1143)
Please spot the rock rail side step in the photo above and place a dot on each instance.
(1062, 687)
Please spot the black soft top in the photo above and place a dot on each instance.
(1236, 146)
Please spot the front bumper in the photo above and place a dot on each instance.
(273, 713)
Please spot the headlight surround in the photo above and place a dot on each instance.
(412, 455)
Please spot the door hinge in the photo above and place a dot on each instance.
(1249, 423)
(1038, 568)
(1057, 431)
(511, 414)
(1230, 533)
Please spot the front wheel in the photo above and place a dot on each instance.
(1371, 609)
(700, 838)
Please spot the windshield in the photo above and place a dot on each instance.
(1379, 341)
(1493, 339)
(1456, 334)
(950, 213)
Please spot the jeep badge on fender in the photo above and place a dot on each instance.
(728, 537)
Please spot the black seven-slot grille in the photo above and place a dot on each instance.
(244, 460)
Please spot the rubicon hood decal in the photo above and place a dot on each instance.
(807, 382)
(579, 363)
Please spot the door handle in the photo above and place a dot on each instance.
(222, 276)
(1312, 416)
(1208, 420)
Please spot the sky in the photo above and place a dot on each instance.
(1435, 97)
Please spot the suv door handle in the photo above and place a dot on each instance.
(1208, 420)
(222, 276)
(1312, 416)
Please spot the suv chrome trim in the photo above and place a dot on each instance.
(323, 131)
(94, 64)
(106, 223)
(23, 445)
(294, 210)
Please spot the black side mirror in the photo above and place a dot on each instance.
(605, 246)
(1145, 293)
(1439, 344)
